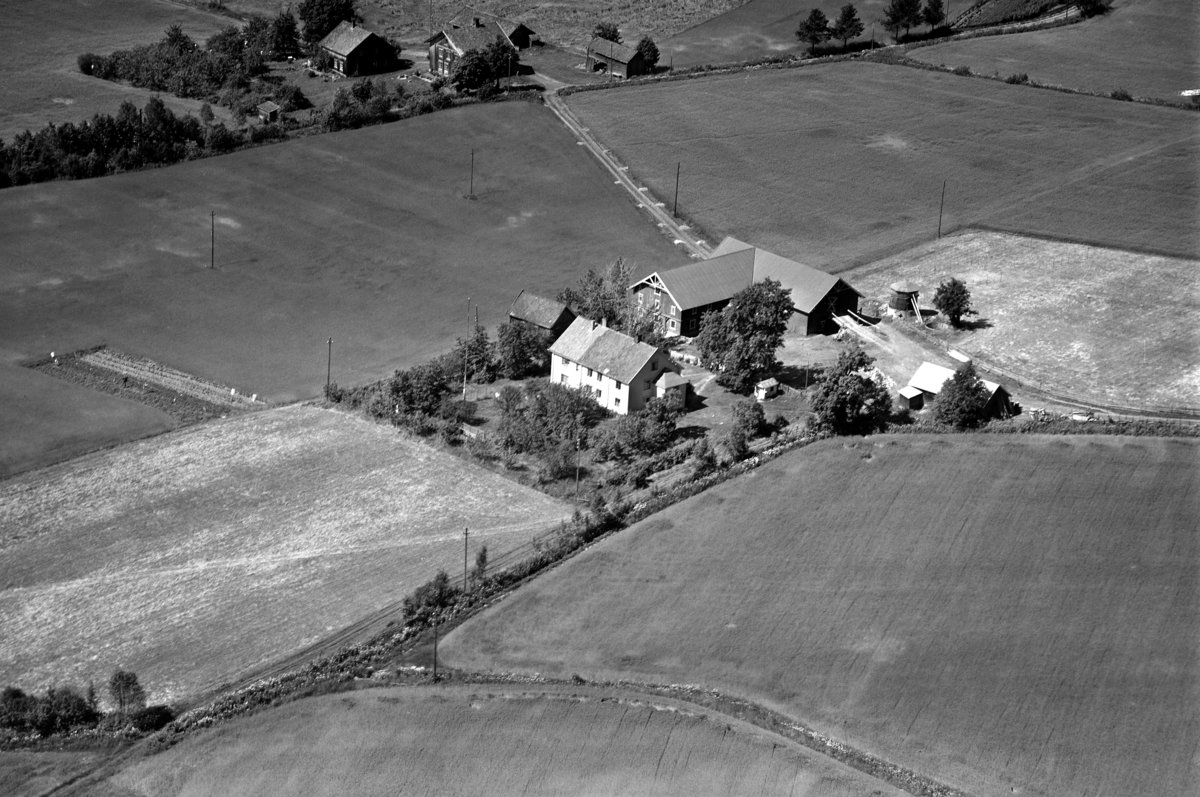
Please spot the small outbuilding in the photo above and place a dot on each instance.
(616, 59)
(672, 385)
(767, 389)
(929, 379)
(540, 312)
(357, 51)
(911, 398)
(903, 301)
(268, 112)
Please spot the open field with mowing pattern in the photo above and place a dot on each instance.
(488, 739)
(39, 43)
(1000, 613)
(841, 164)
(1064, 315)
(195, 556)
(361, 236)
(1147, 47)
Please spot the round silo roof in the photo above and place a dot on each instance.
(904, 286)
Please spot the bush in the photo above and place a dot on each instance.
(1017, 78)
(152, 718)
(1121, 94)
(90, 63)
(748, 415)
(961, 70)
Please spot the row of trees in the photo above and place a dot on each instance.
(899, 15)
(646, 46)
(60, 710)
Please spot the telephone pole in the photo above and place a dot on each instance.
(435, 641)
(466, 340)
(212, 232)
(466, 533)
(675, 210)
(941, 208)
(328, 366)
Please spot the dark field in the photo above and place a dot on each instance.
(841, 164)
(1005, 614)
(363, 236)
(489, 739)
(39, 42)
(1147, 47)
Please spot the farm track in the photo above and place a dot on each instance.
(150, 372)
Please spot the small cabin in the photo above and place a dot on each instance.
(767, 389)
(268, 112)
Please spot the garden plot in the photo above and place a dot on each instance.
(196, 556)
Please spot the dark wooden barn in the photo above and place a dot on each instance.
(357, 51)
(544, 314)
(616, 59)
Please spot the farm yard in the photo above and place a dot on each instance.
(39, 43)
(1148, 46)
(1112, 326)
(1006, 614)
(838, 165)
(488, 739)
(361, 236)
(196, 556)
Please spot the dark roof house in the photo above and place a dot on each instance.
(617, 59)
(357, 51)
(518, 34)
(537, 311)
(471, 29)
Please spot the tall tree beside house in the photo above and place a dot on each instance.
(739, 342)
(472, 71)
(901, 15)
(502, 58)
(521, 350)
(285, 34)
(478, 354)
(649, 51)
(962, 402)
(953, 300)
(814, 30)
(603, 295)
(607, 31)
(319, 17)
(846, 400)
(847, 26)
(934, 13)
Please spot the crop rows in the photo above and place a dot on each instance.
(150, 372)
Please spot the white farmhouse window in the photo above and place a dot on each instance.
(672, 309)
(589, 373)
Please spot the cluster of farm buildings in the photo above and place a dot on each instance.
(623, 373)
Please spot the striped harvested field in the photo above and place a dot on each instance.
(195, 556)
(488, 739)
(1005, 614)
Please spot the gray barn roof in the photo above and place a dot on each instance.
(707, 281)
(808, 285)
(345, 38)
(619, 53)
(466, 17)
(608, 351)
(537, 310)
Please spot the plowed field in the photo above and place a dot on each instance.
(488, 740)
(1004, 614)
(196, 556)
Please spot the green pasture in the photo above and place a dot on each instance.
(40, 41)
(1006, 614)
(762, 28)
(840, 164)
(488, 739)
(362, 236)
(1147, 47)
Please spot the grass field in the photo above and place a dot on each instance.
(1005, 614)
(33, 774)
(195, 556)
(783, 159)
(1147, 47)
(1064, 315)
(39, 43)
(761, 28)
(491, 740)
(363, 236)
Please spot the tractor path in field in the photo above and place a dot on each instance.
(642, 195)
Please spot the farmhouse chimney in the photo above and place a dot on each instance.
(604, 322)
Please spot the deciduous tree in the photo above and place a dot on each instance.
(934, 13)
(285, 35)
(649, 51)
(502, 58)
(962, 403)
(901, 14)
(814, 30)
(319, 17)
(847, 26)
(604, 295)
(954, 300)
(847, 400)
(471, 71)
(126, 692)
(739, 342)
(607, 31)
(748, 415)
(521, 350)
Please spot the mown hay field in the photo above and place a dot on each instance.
(1147, 47)
(840, 164)
(488, 739)
(1065, 316)
(195, 556)
(363, 236)
(39, 43)
(1006, 614)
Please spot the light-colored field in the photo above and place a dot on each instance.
(40, 41)
(1147, 47)
(1114, 326)
(362, 236)
(195, 556)
(488, 739)
(1005, 614)
(842, 164)
(33, 774)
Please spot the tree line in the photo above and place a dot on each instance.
(899, 15)
(63, 709)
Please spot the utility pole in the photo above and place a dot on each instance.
(466, 340)
(940, 209)
(435, 641)
(465, 535)
(328, 366)
(471, 192)
(675, 210)
(577, 420)
(212, 232)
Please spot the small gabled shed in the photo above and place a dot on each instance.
(616, 59)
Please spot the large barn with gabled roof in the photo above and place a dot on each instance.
(682, 295)
(357, 51)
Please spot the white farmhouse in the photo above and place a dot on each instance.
(619, 372)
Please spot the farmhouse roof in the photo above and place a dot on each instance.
(602, 349)
(930, 378)
(466, 39)
(808, 285)
(670, 379)
(620, 53)
(267, 107)
(537, 310)
(345, 38)
(466, 17)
